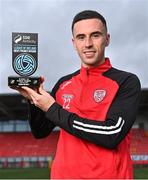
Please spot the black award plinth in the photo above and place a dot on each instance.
(24, 60)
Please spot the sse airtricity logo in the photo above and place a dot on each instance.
(18, 38)
(24, 64)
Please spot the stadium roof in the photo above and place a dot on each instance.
(14, 106)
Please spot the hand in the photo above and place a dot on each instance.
(39, 97)
(24, 93)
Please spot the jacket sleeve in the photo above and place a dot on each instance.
(40, 125)
(119, 120)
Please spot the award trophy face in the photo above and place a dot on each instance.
(24, 60)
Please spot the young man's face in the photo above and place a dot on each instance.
(90, 39)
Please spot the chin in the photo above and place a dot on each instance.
(90, 63)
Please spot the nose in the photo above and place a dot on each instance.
(88, 42)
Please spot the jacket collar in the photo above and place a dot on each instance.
(97, 70)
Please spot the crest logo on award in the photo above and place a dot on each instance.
(24, 60)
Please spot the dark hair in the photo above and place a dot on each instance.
(88, 14)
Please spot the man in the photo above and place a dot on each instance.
(95, 107)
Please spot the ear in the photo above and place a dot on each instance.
(74, 45)
(107, 40)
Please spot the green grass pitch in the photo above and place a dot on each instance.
(43, 173)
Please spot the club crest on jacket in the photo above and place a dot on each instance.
(99, 95)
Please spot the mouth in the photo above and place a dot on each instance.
(89, 53)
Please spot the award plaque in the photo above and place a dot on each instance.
(24, 60)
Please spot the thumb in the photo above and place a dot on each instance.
(41, 89)
(42, 79)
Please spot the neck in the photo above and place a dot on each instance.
(93, 65)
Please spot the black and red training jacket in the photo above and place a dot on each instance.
(95, 109)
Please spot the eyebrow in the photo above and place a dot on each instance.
(78, 35)
(97, 32)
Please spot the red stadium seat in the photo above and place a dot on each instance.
(139, 146)
(24, 145)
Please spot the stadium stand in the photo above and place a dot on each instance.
(139, 146)
(25, 145)
(23, 148)
(138, 138)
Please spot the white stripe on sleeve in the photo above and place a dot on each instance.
(100, 129)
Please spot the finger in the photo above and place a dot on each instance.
(16, 88)
(42, 79)
(22, 92)
(34, 100)
(41, 89)
(30, 91)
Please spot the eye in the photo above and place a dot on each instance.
(95, 35)
(80, 37)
